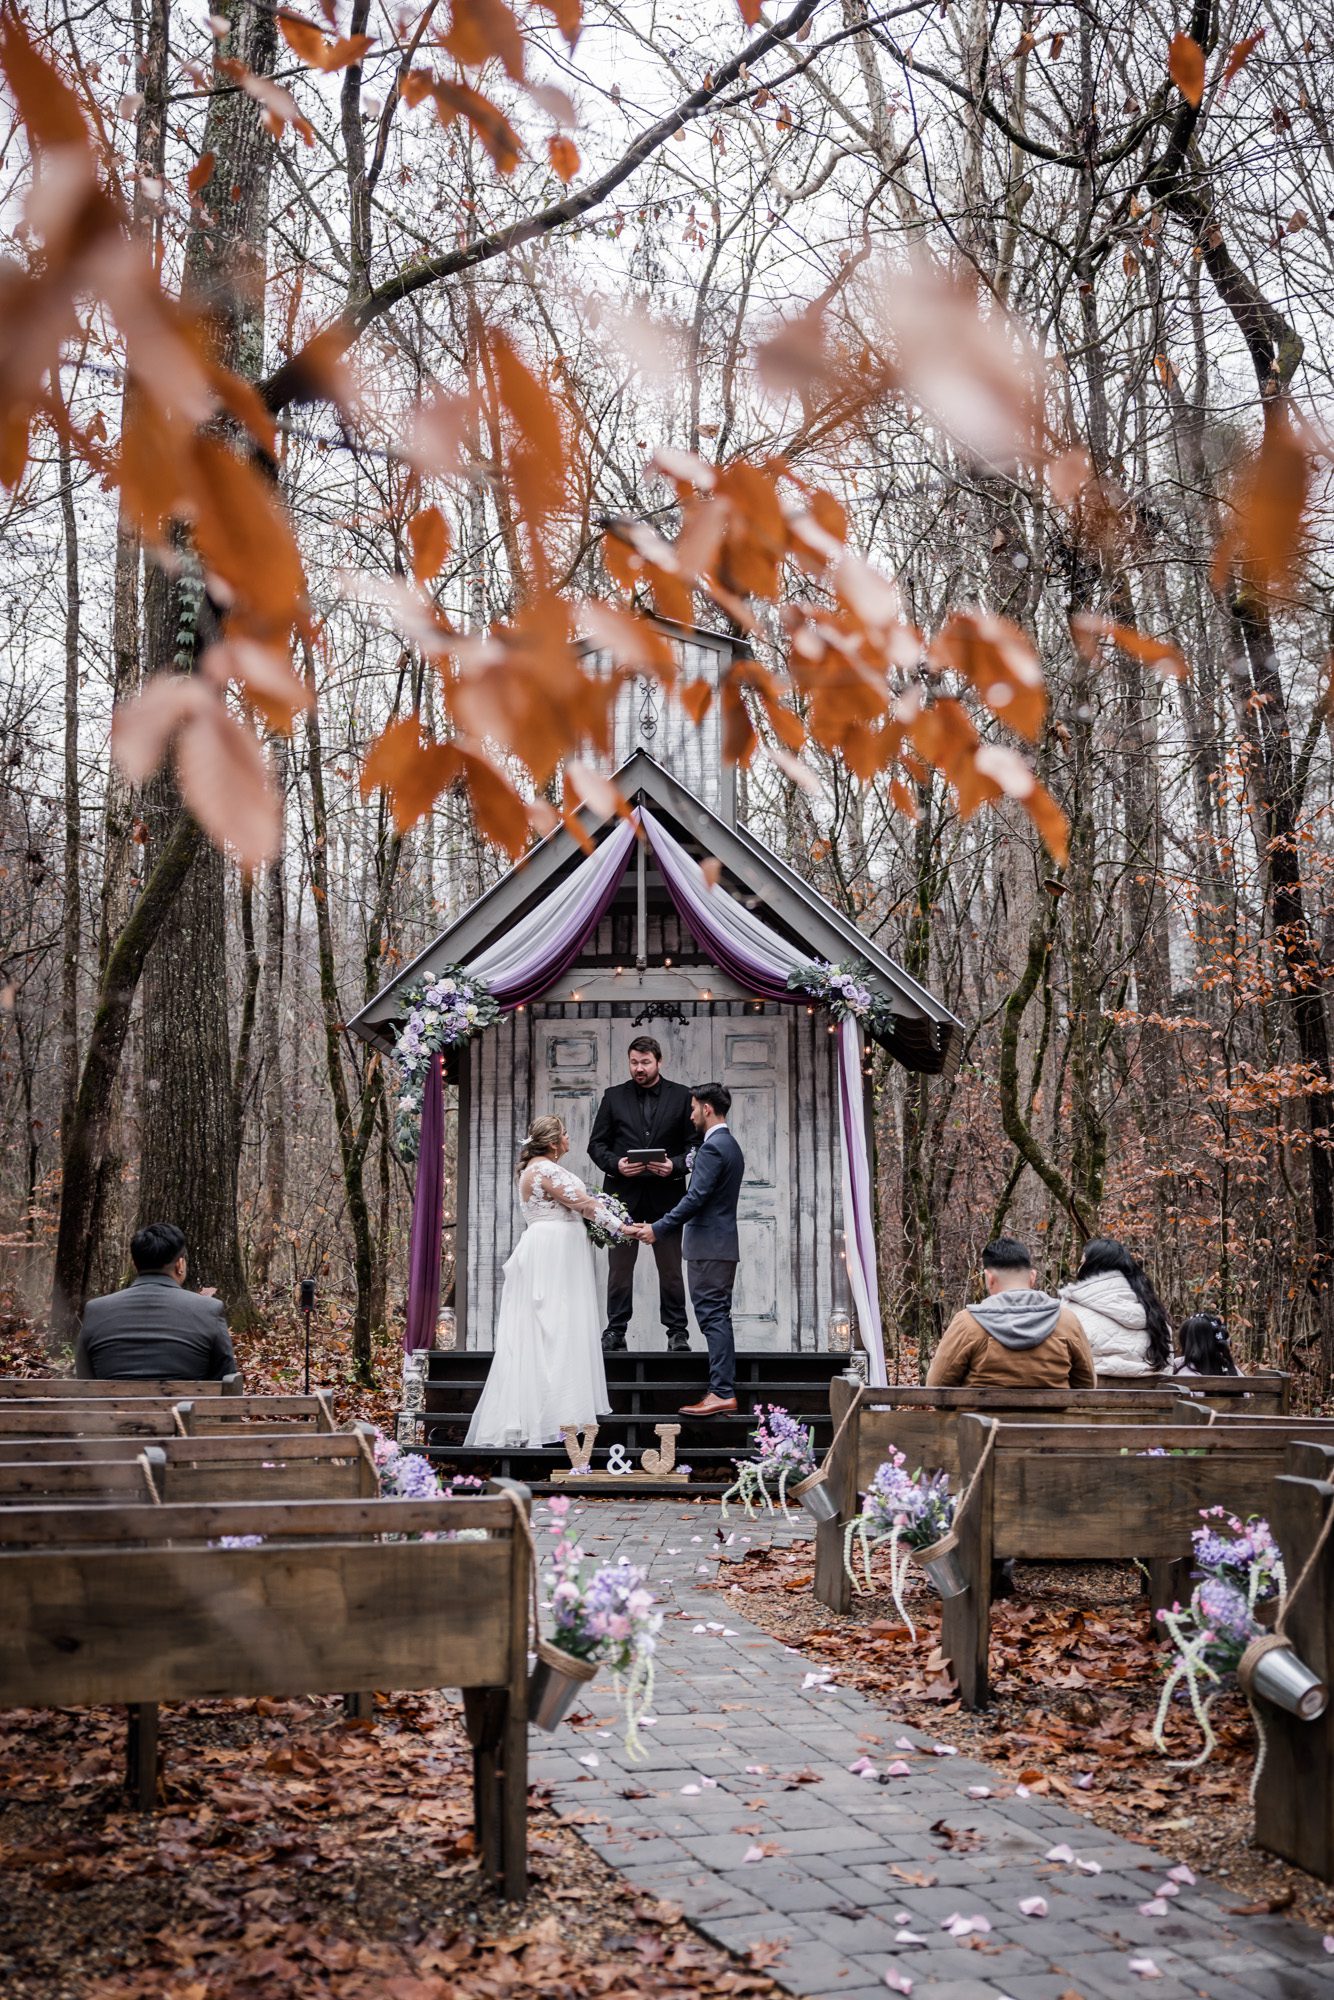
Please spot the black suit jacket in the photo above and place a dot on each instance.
(154, 1329)
(620, 1127)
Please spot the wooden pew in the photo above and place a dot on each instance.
(200, 1414)
(50, 1388)
(303, 1466)
(148, 1416)
(80, 1481)
(923, 1425)
(236, 1442)
(1053, 1493)
(1266, 1393)
(1294, 1795)
(147, 1419)
(136, 1605)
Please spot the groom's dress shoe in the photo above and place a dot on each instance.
(710, 1406)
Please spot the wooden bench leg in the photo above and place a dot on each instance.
(514, 1802)
(360, 1707)
(833, 1587)
(483, 1711)
(141, 1754)
(965, 1624)
(1168, 1582)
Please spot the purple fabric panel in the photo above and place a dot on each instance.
(427, 1217)
(555, 953)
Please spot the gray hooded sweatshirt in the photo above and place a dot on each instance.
(1018, 1319)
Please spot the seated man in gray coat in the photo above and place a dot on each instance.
(154, 1328)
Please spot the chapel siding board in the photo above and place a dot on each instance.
(501, 1095)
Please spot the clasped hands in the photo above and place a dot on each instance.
(641, 1231)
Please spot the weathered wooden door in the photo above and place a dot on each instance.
(752, 1056)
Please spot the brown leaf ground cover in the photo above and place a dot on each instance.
(1076, 1681)
(296, 1854)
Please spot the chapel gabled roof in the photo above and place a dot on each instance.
(926, 1036)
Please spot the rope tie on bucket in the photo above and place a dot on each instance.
(822, 1471)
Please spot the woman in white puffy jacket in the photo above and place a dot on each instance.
(1121, 1314)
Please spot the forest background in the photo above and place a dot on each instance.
(1024, 305)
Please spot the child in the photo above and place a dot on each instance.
(1204, 1347)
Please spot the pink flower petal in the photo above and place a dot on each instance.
(1329, 1941)
(909, 1937)
(961, 1926)
(1157, 1908)
(1033, 1906)
(1145, 1967)
(1168, 1888)
(756, 1770)
(1087, 1867)
(1061, 1853)
(943, 1750)
(591, 1759)
(898, 1769)
(1181, 1873)
(752, 1854)
(1084, 1783)
(979, 1791)
(692, 1791)
(904, 1743)
(898, 1982)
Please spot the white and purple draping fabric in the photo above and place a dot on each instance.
(742, 945)
(542, 946)
(527, 961)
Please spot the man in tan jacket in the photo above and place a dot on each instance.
(1017, 1338)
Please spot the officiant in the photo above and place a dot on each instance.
(640, 1138)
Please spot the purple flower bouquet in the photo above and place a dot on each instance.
(448, 1009)
(1239, 1569)
(608, 1225)
(784, 1456)
(406, 1475)
(909, 1511)
(603, 1617)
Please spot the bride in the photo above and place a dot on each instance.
(547, 1367)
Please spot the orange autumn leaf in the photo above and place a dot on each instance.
(429, 537)
(412, 772)
(460, 100)
(568, 16)
(564, 157)
(1266, 535)
(201, 173)
(1240, 54)
(279, 106)
(1163, 656)
(536, 464)
(1000, 662)
(482, 29)
(696, 698)
(1185, 66)
(305, 40)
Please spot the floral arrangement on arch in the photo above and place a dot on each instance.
(599, 1230)
(606, 1616)
(450, 1008)
(784, 1456)
(842, 991)
(1240, 1574)
(909, 1511)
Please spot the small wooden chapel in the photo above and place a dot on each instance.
(653, 959)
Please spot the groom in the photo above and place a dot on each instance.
(707, 1213)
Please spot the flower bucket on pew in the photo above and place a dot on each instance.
(785, 1461)
(915, 1515)
(603, 1618)
(1221, 1635)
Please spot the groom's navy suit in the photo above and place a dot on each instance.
(706, 1214)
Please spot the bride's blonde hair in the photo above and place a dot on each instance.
(544, 1135)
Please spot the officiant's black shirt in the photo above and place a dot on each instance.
(648, 1096)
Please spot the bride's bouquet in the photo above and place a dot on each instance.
(608, 1225)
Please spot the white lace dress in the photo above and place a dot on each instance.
(547, 1367)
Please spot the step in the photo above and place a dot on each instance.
(636, 1434)
(659, 1400)
(753, 1367)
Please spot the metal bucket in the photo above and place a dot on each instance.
(1288, 1682)
(553, 1684)
(816, 1496)
(943, 1569)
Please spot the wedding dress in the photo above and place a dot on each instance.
(547, 1367)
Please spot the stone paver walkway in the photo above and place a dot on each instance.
(741, 1720)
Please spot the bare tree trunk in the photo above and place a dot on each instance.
(71, 884)
(273, 1194)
